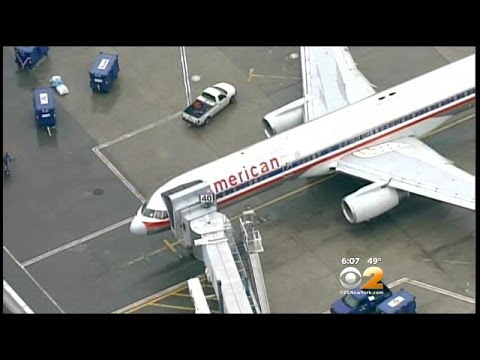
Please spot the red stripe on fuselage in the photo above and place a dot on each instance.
(156, 226)
(360, 144)
(163, 224)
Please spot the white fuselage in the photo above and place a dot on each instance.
(413, 108)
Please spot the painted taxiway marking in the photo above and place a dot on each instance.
(455, 262)
(458, 122)
(16, 298)
(168, 246)
(288, 195)
(33, 280)
(118, 174)
(175, 307)
(139, 130)
(175, 289)
(152, 299)
(251, 75)
(177, 294)
(432, 288)
(76, 242)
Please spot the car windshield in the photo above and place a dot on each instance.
(208, 97)
(350, 301)
(221, 90)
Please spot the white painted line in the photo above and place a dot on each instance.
(397, 282)
(456, 262)
(16, 297)
(139, 130)
(186, 80)
(75, 242)
(118, 174)
(442, 291)
(432, 288)
(34, 281)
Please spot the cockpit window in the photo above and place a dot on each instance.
(161, 214)
(154, 214)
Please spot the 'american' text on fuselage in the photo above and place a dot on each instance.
(246, 174)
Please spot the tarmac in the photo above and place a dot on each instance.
(70, 197)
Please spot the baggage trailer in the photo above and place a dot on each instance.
(103, 72)
(402, 302)
(28, 57)
(44, 108)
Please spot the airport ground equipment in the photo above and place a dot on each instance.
(29, 57)
(44, 108)
(402, 302)
(103, 72)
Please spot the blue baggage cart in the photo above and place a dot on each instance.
(44, 108)
(28, 57)
(103, 72)
(401, 302)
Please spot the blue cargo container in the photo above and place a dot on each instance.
(103, 72)
(401, 302)
(27, 57)
(44, 107)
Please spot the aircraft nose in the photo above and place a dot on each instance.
(137, 227)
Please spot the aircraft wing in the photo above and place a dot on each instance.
(331, 80)
(410, 165)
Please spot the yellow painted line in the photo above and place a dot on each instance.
(183, 308)
(458, 122)
(290, 194)
(156, 297)
(146, 256)
(180, 242)
(152, 302)
(181, 295)
(169, 246)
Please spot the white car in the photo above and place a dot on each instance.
(212, 100)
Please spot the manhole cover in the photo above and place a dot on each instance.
(293, 56)
(97, 191)
(196, 78)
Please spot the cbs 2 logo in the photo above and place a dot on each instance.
(351, 278)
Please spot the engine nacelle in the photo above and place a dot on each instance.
(285, 118)
(371, 201)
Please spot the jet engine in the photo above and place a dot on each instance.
(285, 118)
(371, 201)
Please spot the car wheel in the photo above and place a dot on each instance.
(232, 99)
(207, 121)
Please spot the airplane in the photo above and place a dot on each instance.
(342, 125)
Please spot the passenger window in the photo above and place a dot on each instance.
(221, 97)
